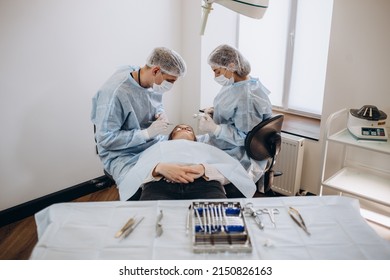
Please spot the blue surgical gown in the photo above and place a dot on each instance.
(120, 110)
(237, 109)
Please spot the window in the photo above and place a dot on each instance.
(288, 51)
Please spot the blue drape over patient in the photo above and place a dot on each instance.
(185, 152)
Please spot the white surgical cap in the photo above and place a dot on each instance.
(230, 58)
(170, 62)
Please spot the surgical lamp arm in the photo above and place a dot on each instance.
(206, 10)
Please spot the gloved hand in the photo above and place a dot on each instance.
(162, 116)
(157, 127)
(207, 124)
(209, 111)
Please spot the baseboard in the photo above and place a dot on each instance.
(29, 208)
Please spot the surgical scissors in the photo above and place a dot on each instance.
(255, 213)
(271, 213)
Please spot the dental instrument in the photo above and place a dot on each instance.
(159, 229)
(271, 213)
(188, 220)
(294, 213)
(198, 115)
(198, 217)
(256, 214)
(128, 224)
(130, 230)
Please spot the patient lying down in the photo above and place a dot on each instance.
(184, 169)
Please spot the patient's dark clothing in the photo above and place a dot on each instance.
(199, 189)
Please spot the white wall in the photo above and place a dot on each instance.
(191, 50)
(54, 55)
(359, 60)
(199, 87)
(221, 28)
(357, 74)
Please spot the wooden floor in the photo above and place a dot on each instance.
(18, 239)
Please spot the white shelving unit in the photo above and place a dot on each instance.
(361, 181)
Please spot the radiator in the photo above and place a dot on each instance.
(289, 162)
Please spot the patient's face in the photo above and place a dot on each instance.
(182, 131)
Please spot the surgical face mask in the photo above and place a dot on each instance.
(164, 87)
(223, 81)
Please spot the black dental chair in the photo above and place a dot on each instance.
(263, 142)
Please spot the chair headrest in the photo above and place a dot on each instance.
(264, 140)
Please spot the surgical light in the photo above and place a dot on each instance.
(250, 8)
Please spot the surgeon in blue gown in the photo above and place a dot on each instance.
(240, 105)
(128, 112)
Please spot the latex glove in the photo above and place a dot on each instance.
(162, 116)
(157, 127)
(209, 111)
(207, 124)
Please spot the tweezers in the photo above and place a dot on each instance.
(159, 229)
(301, 223)
(129, 223)
(130, 230)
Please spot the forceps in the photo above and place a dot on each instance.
(271, 213)
(159, 228)
(301, 223)
(255, 213)
(128, 227)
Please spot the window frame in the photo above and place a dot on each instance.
(289, 64)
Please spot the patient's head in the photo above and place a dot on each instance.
(182, 131)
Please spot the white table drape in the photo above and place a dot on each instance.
(86, 230)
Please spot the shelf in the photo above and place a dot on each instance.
(375, 217)
(369, 182)
(345, 137)
(370, 185)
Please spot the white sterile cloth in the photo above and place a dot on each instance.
(86, 230)
(185, 152)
